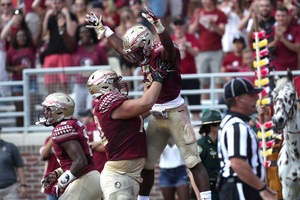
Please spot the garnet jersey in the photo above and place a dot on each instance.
(172, 85)
(71, 130)
(123, 139)
(99, 158)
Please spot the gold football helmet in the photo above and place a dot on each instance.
(138, 43)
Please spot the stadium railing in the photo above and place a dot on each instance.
(8, 113)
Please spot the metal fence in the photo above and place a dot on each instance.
(8, 112)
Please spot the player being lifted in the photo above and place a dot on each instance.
(170, 115)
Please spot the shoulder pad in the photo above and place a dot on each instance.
(66, 130)
(109, 99)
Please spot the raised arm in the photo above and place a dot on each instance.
(169, 53)
(113, 39)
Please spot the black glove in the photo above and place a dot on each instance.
(162, 69)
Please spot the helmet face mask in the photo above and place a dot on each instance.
(138, 44)
(103, 81)
(56, 107)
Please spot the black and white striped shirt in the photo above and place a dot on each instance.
(236, 139)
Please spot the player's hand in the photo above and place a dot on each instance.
(51, 178)
(162, 70)
(95, 23)
(153, 19)
(57, 191)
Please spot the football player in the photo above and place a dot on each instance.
(170, 115)
(121, 128)
(77, 178)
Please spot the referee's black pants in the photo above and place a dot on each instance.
(232, 190)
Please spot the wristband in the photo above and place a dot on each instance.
(108, 32)
(263, 188)
(24, 185)
(66, 178)
(206, 195)
(59, 172)
(160, 28)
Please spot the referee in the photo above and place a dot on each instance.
(242, 170)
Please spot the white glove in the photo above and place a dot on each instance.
(153, 19)
(97, 25)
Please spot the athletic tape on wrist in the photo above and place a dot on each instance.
(59, 172)
(66, 178)
(160, 28)
(108, 32)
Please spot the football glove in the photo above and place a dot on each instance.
(57, 191)
(95, 23)
(153, 19)
(51, 177)
(162, 70)
(62, 183)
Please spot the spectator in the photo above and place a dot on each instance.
(170, 107)
(77, 177)
(99, 156)
(248, 60)
(121, 4)
(87, 52)
(11, 164)
(97, 8)
(209, 22)
(169, 8)
(173, 177)
(286, 42)
(80, 10)
(137, 9)
(192, 6)
(51, 164)
(127, 21)
(265, 18)
(20, 56)
(235, 11)
(6, 9)
(233, 61)
(111, 18)
(207, 147)
(32, 18)
(61, 24)
(16, 23)
(188, 48)
(242, 168)
(40, 7)
(120, 124)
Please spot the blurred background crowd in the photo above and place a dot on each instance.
(212, 36)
